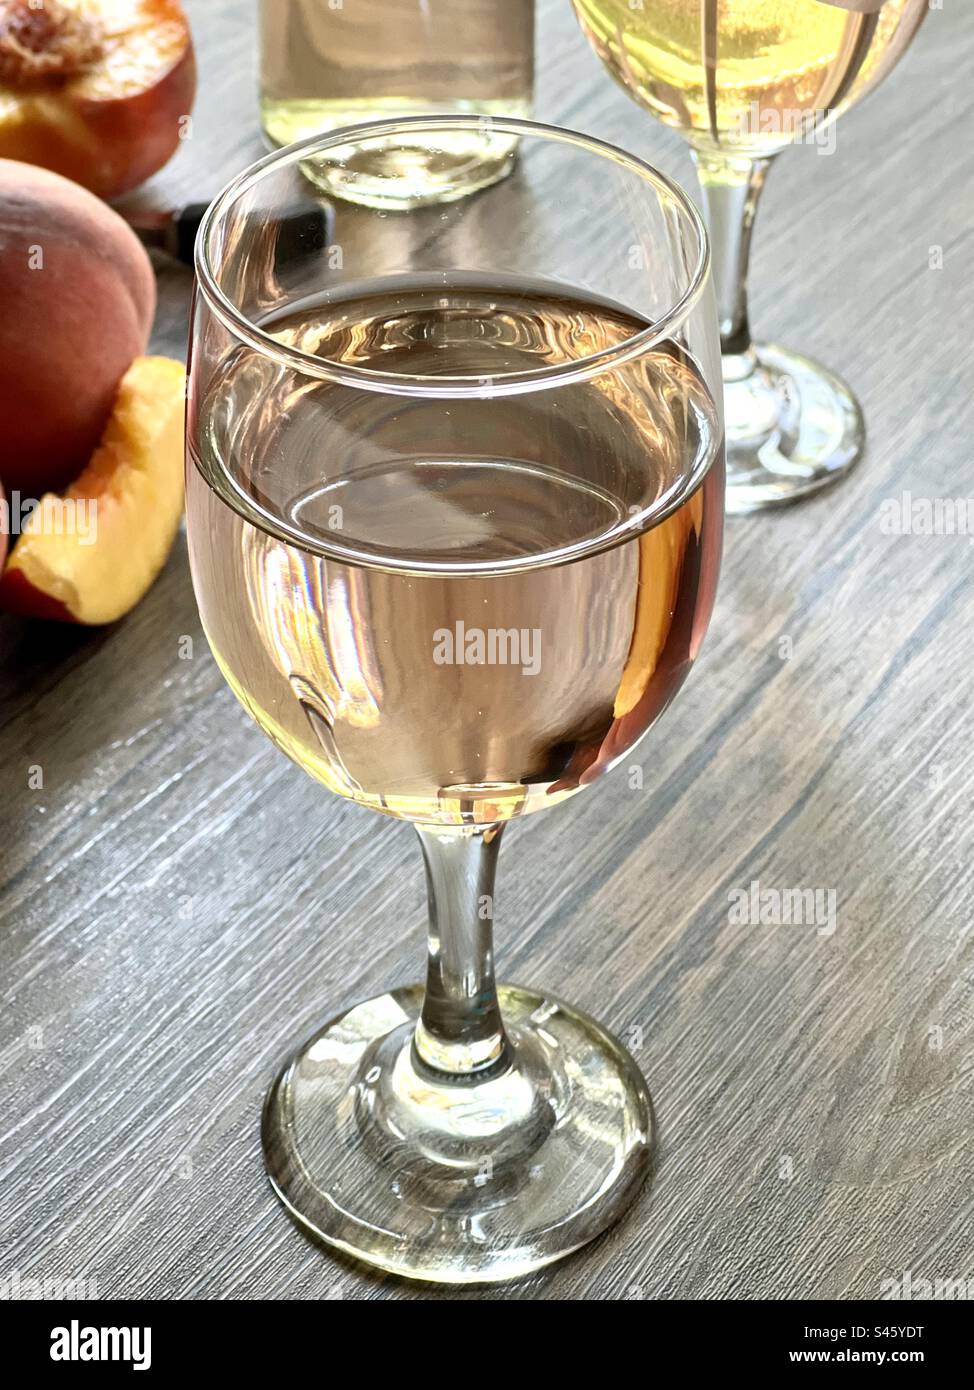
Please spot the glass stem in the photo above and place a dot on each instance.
(731, 187)
(460, 1032)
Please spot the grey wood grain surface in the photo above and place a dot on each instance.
(181, 906)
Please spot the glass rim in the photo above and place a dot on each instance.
(441, 385)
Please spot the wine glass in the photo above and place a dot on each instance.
(455, 502)
(740, 80)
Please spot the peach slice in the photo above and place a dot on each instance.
(89, 555)
(94, 89)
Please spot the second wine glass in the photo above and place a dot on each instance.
(741, 80)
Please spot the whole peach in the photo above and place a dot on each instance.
(78, 297)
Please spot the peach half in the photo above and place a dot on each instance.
(97, 90)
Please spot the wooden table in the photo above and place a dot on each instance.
(180, 905)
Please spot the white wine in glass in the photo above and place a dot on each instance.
(516, 719)
(454, 509)
(741, 80)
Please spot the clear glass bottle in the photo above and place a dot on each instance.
(330, 63)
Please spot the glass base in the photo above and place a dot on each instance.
(792, 428)
(403, 179)
(397, 172)
(473, 1181)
